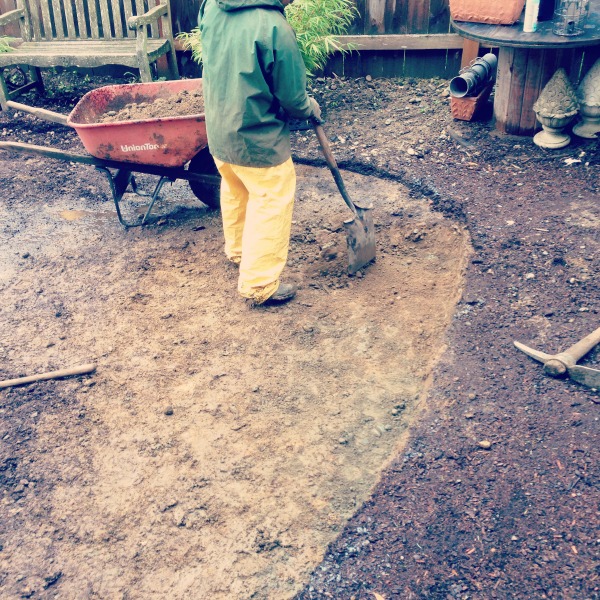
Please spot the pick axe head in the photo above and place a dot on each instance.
(586, 376)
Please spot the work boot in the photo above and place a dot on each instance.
(284, 293)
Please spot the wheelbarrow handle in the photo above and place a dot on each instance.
(41, 113)
(332, 164)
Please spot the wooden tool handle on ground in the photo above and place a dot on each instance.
(40, 113)
(84, 369)
(582, 347)
(559, 364)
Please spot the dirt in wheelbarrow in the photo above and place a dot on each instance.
(380, 434)
(184, 104)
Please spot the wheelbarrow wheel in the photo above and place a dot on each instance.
(206, 191)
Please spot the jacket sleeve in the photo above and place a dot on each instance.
(288, 74)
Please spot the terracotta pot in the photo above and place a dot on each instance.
(466, 108)
(484, 11)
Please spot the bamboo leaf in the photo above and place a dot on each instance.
(316, 23)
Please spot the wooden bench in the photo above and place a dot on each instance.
(88, 33)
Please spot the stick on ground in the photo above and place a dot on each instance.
(82, 370)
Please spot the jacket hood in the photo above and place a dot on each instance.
(231, 5)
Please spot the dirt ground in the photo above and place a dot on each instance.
(330, 448)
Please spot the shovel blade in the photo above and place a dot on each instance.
(360, 235)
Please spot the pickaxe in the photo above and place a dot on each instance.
(558, 365)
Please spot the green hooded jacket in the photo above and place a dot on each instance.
(253, 73)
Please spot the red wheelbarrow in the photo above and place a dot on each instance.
(170, 148)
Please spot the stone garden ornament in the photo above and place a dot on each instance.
(588, 93)
(555, 109)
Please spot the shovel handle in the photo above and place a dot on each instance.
(40, 113)
(332, 164)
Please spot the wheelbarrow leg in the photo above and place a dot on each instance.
(118, 186)
(155, 194)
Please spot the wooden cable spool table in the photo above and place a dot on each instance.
(527, 61)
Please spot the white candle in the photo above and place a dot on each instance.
(532, 9)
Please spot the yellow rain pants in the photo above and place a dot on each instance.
(256, 207)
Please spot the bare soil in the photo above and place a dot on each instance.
(221, 451)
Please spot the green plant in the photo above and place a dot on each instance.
(317, 24)
(192, 40)
(5, 44)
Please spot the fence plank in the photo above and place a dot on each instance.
(439, 16)
(396, 63)
(12, 29)
(184, 15)
(375, 14)
(448, 41)
(400, 17)
(359, 26)
(418, 16)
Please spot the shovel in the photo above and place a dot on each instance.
(360, 231)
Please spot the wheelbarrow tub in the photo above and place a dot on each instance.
(168, 142)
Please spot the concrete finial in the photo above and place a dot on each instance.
(589, 88)
(558, 98)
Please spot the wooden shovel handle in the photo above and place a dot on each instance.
(332, 164)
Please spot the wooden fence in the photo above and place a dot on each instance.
(13, 28)
(375, 16)
(405, 38)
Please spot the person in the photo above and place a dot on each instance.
(254, 78)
